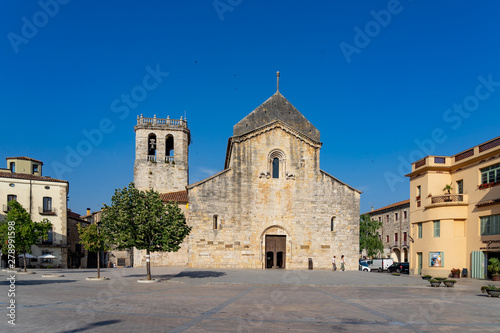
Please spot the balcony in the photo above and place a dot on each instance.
(152, 158)
(169, 159)
(46, 211)
(447, 200)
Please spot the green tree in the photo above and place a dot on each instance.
(140, 219)
(93, 241)
(26, 232)
(369, 238)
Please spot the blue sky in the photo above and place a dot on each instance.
(377, 78)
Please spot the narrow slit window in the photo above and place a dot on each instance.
(276, 167)
(216, 222)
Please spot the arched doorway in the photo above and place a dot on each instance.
(275, 251)
(396, 255)
(274, 247)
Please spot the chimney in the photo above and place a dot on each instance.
(88, 211)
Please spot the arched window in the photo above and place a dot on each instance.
(276, 163)
(276, 167)
(215, 226)
(332, 223)
(169, 145)
(152, 144)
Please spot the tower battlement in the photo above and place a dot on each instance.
(145, 122)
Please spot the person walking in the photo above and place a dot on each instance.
(334, 268)
(342, 263)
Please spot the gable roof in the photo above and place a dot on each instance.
(179, 196)
(277, 107)
(341, 182)
(30, 177)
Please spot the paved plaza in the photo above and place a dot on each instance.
(218, 300)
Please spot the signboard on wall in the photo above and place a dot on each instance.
(436, 259)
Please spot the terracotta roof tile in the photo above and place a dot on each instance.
(24, 158)
(32, 177)
(400, 203)
(75, 216)
(488, 202)
(180, 196)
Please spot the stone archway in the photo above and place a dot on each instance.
(276, 253)
(405, 255)
(396, 255)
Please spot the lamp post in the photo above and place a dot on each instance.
(98, 251)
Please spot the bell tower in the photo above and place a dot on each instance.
(161, 154)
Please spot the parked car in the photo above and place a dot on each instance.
(364, 267)
(380, 264)
(399, 267)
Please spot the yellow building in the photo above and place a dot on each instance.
(455, 211)
(42, 197)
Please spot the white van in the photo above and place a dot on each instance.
(379, 264)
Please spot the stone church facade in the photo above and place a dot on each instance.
(271, 207)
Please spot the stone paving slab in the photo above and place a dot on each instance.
(202, 300)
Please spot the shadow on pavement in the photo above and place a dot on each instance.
(93, 326)
(153, 276)
(35, 282)
(200, 274)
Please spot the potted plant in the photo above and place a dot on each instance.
(449, 283)
(455, 273)
(492, 290)
(435, 282)
(440, 278)
(494, 266)
(447, 188)
(426, 277)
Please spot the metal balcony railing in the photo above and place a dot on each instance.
(46, 211)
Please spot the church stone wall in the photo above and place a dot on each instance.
(162, 259)
(249, 205)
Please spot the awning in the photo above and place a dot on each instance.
(488, 202)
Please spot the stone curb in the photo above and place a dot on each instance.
(149, 281)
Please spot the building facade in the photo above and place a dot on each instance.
(271, 207)
(395, 230)
(43, 198)
(455, 211)
(77, 255)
